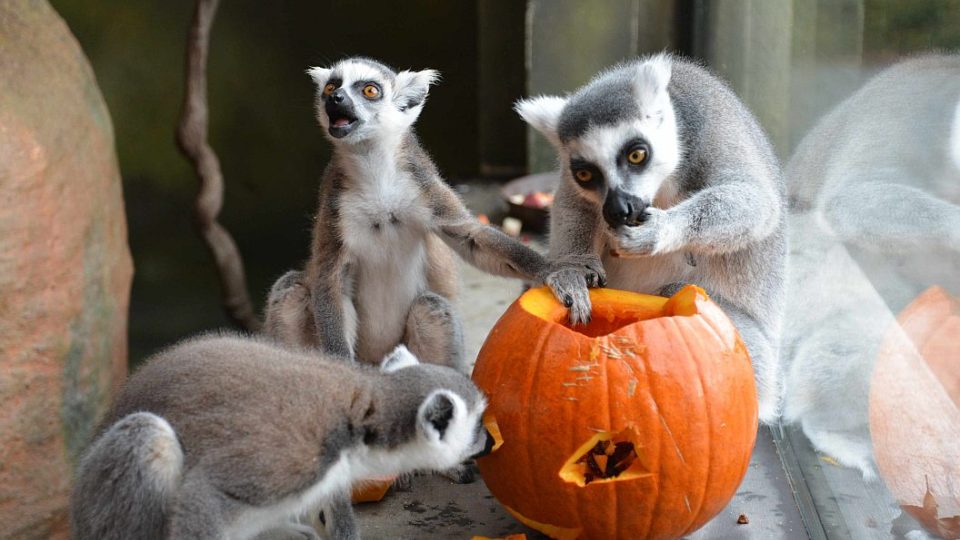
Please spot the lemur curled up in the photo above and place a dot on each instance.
(670, 179)
(381, 271)
(227, 437)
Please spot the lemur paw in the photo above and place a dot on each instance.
(464, 473)
(403, 483)
(570, 287)
(588, 263)
(655, 236)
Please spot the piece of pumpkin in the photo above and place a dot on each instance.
(637, 425)
(915, 411)
(372, 490)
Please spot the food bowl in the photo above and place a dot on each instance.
(534, 218)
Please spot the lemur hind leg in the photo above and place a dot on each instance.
(434, 333)
(764, 354)
(200, 510)
(765, 357)
(288, 316)
(339, 520)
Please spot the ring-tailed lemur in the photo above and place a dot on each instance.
(670, 178)
(874, 220)
(226, 437)
(381, 271)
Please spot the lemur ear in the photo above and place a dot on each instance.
(319, 75)
(435, 414)
(399, 358)
(543, 114)
(650, 86)
(412, 87)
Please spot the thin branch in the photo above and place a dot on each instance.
(192, 139)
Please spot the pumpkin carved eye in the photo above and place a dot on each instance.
(583, 175)
(329, 88)
(637, 156)
(371, 91)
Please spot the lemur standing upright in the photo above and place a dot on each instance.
(226, 437)
(381, 271)
(670, 178)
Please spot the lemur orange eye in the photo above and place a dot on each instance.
(329, 88)
(637, 156)
(583, 175)
(371, 91)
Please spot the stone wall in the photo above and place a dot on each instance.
(65, 268)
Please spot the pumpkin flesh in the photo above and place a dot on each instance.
(671, 377)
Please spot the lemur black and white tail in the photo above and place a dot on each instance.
(126, 480)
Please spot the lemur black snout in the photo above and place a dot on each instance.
(342, 115)
(622, 208)
(338, 95)
(487, 445)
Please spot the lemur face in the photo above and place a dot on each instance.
(449, 422)
(360, 99)
(617, 138)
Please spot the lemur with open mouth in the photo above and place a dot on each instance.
(381, 270)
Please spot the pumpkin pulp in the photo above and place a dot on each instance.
(612, 309)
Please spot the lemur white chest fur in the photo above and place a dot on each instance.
(649, 274)
(384, 224)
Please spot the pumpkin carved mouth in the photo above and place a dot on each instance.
(605, 457)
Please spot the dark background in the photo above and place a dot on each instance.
(263, 128)
(790, 60)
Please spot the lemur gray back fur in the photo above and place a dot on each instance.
(224, 435)
(669, 177)
(381, 270)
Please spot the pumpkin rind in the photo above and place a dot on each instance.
(680, 377)
(914, 414)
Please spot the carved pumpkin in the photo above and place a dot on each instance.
(637, 425)
(915, 411)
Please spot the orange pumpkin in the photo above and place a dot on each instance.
(915, 411)
(637, 425)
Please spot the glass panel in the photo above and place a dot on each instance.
(866, 117)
